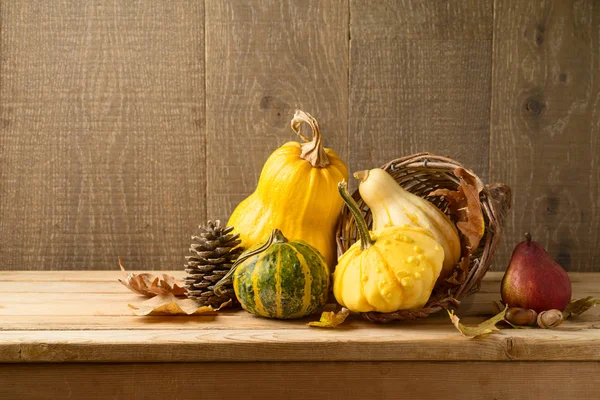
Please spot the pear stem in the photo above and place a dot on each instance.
(363, 230)
(528, 237)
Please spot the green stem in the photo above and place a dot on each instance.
(365, 237)
(275, 237)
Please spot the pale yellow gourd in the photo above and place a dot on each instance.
(392, 269)
(392, 205)
(296, 193)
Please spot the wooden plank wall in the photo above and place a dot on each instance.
(102, 134)
(125, 124)
(545, 125)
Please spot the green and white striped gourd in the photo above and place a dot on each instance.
(281, 279)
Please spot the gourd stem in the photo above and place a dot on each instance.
(312, 150)
(275, 237)
(362, 175)
(278, 236)
(365, 237)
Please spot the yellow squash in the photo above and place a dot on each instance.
(296, 193)
(392, 205)
(393, 269)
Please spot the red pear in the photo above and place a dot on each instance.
(533, 280)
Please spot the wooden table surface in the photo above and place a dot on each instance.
(73, 334)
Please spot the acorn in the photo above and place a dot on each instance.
(550, 319)
(521, 316)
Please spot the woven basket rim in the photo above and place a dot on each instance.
(495, 201)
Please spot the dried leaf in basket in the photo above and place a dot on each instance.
(168, 304)
(151, 285)
(460, 274)
(331, 319)
(577, 307)
(464, 204)
(484, 328)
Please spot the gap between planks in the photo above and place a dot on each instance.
(112, 287)
(113, 275)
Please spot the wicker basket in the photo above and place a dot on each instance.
(421, 174)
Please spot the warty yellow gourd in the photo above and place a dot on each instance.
(392, 269)
(392, 205)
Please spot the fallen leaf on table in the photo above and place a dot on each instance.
(465, 207)
(168, 304)
(483, 328)
(150, 285)
(331, 319)
(577, 307)
(164, 284)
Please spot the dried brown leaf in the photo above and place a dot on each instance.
(484, 328)
(577, 307)
(464, 204)
(460, 273)
(331, 319)
(164, 284)
(168, 304)
(150, 285)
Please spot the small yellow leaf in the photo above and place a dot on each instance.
(577, 307)
(484, 328)
(331, 319)
(168, 304)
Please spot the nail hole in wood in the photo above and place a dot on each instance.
(563, 77)
(534, 106)
(265, 102)
(539, 38)
(552, 205)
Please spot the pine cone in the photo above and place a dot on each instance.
(214, 252)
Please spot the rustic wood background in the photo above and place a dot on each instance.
(125, 124)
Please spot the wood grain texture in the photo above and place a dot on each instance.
(95, 300)
(123, 125)
(386, 380)
(545, 136)
(265, 59)
(84, 317)
(354, 342)
(101, 133)
(420, 81)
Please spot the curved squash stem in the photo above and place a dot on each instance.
(312, 150)
(365, 237)
(275, 237)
